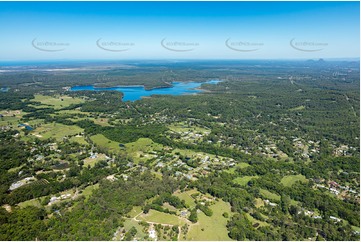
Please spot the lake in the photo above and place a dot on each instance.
(133, 93)
(27, 127)
(4, 89)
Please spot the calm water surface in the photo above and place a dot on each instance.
(133, 93)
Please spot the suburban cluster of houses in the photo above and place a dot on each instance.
(343, 150)
(335, 188)
(21, 183)
(61, 197)
(191, 136)
(270, 203)
(309, 213)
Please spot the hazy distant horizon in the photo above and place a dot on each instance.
(170, 60)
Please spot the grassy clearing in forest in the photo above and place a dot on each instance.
(243, 180)
(56, 131)
(211, 228)
(288, 181)
(56, 102)
(269, 195)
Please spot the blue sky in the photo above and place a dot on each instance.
(189, 30)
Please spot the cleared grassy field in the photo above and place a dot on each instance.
(186, 196)
(355, 228)
(33, 202)
(139, 149)
(56, 102)
(269, 195)
(13, 113)
(102, 141)
(101, 121)
(56, 130)
(73, 111)
(258, 202)
(157, 174)
(253, 220)
(159, 217)
(297, 108)
(170, 207)
(243, 180)
(79, 140)
(240, 165)
(89, 190)
(135, 211)
(34, 122)
(211, 228)
(144, 145)
(39, 106)
(182, 127)
(129, 223)
(288, 181)
(92, 161)
(294, 202)
(16, 169)
(13, 121)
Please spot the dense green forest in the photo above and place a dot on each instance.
(271, 153)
